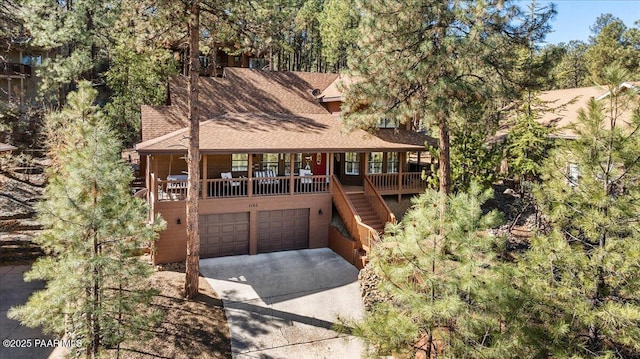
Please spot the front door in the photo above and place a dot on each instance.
(337, 165)
(319, 163)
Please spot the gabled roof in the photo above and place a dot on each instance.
(260, 132)
(575, 99)
(564, 105)
(160, 120)
(249, 91)
(262, 111)
(239, 91)
(334, 91)
(567, 102)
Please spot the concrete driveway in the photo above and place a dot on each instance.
(283, 304)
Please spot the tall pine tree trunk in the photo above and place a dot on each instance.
(193, 160)
(95, 309)
(444, 160)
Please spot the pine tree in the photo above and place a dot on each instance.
(473, 159)
(432, 59)
(571, 71)
(93, 229)
(613, 44)
(192, 272)
(138, 70)
(528, 145)
(584, 277)
(79, 32)
(339, 29)
(445, 289)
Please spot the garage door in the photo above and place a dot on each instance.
(283, 230)
(224, 234)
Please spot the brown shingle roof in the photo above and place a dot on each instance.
(564, 106)
(241, 90)
(567, 102)
(261, 111)
(246, 91)
(236, 133)
(160, 120)
(334, 91)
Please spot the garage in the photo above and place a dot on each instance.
(224, 234)
(283, 230)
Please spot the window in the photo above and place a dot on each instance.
(375, 162)
(204, 61)
(32, 60)
(297, 160)
(387, 123)
(351, 163)
(392, 162)
(239, 162)
(255, 63)
(270, 162)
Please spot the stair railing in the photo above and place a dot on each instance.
(377, 202)
(364, 234)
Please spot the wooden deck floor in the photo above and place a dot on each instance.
(353, 189)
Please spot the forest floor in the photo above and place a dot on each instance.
(190, 328)
(21, 186)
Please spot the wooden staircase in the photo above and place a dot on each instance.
(364, 214)
(366, 211)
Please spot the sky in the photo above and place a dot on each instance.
(575, 16)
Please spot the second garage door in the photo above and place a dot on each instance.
(283, 230)
(224, 234)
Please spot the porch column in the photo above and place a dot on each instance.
(154, 182)
(330, 158)
(21, 91)
(401, 162)
(205, 185)
(250, 175)
(365, 160)
(151, 196)
(292, 178)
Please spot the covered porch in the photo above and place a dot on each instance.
(235, 175)
(240, 175)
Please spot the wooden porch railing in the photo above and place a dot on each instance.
(311, 184)
(405, 182)
(377, 202)
(176, 190)
(171, 190)
(12, 68)
(364, 234)
(226, 188)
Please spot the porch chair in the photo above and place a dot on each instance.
(304, 173)
(227, 175)
(263, 177)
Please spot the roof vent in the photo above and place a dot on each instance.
(315, 92)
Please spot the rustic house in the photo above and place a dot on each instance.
(276, 163)
(18, 62)
(559, 111)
